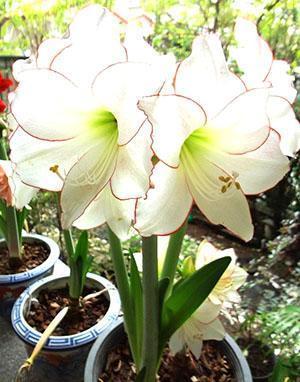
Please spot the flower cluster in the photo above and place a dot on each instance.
(93, 111)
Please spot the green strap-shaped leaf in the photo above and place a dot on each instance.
(3, 227)
(163, 286)
(21, 216)
(79, 263)
(82, 246)
(189, 294)
(141, 375)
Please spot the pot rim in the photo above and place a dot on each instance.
(54, 253)
(31, 336)
(232, 349)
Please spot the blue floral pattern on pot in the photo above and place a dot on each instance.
(63, 357)
(12, 285)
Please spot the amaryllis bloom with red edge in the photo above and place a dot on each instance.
(256, 60)
(79, 127)
(215, 144)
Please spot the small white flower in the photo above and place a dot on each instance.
(232, 278)
(202, 325)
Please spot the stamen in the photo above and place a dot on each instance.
(54, 169)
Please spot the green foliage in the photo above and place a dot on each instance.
(177, 23)
(79, 263)
(280, 330)
(25, 24)
(286, 369)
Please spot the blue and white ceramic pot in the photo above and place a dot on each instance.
(11, 286)
(63, 357)
(96, 361)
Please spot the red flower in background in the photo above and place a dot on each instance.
(2, 106)
(5, 83)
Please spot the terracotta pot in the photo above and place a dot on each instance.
(11, 286)
(63, 357)
(110, 338)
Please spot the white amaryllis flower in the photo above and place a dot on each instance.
(12, 190)
(215, 146)
(80, 130)
(202, 325)
(232, 278)
(256, 60)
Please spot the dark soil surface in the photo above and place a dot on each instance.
(259, 356)
(50, 302)
(33, 254)
(184, 367)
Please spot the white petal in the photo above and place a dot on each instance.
(205, 78)
(173, 119)
(214, 331)
(94, 45)
(267, 163)
(254, 55)
(283, 120)
(48, 50)
(228, 208)
(119, 87)
(22, 194)
(195, 347)
(243, 125)
(106, 208)
(49, 106)
(137, 48)
(87, 178)
(176, 342)
(207, 312)
(167, 204)
(206, 252)
(282, 82)
(132, 175)
(22, 65)
(34, 158)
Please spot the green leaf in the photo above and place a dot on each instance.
(136, 292)
(21, 216)
(82, 246)
(280, 372)
(79, 263)
(163, 286)
(141, 375)
(3, 227)
(189, 294)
